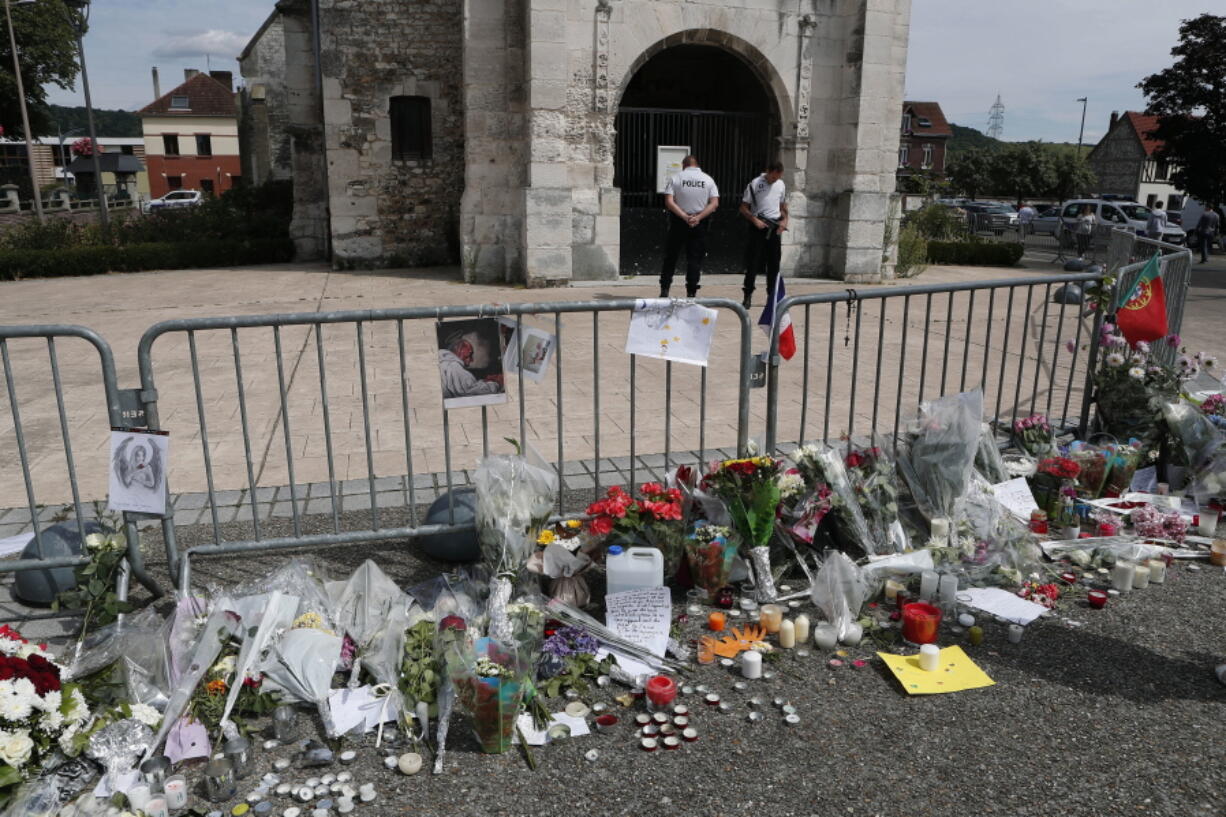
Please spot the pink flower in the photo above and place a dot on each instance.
(1070, 346)
(1173, 340)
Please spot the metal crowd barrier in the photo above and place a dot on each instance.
(50, 446)
(231, 338)
(1011, 337)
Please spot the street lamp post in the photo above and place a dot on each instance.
(1084, 100)
(80, 23)
(25, 115)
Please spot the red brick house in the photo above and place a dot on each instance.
(191, 136)
(925, 135)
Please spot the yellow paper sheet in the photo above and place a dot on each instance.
(954, 673)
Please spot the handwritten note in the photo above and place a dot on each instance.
(1003, 604)
(1017, 498)
(643, 617)
(671, 330)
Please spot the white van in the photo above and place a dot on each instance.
(1190, 217)
(1120, 214)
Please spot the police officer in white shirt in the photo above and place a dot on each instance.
(763, 206)
(690, 196)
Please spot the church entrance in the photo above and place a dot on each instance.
(709, 100)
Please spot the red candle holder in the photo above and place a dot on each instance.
(661, 690)
(1097, 599)
(1069, 577)
(920, 622)
(1108, 529)
(725, 597)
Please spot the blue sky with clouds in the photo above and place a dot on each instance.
(1039, 55)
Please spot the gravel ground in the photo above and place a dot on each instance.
(1094, 713)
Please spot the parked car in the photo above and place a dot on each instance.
(1046, 221)
(175, 198)
(1189, 219)
(990, 217)
(1121, 214)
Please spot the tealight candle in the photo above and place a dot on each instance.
(929, 657)
(1097, 599)
(751, 664)
(175, 789)
(1157, 571)
(801, 627)
(974, 634)
(156, 807)
(826, 637)
(716, 622)
(1140, 577)
(770, 616)
(787, 634)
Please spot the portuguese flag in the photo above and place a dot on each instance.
(1143, 315)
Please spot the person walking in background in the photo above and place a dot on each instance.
(1085, 229)
(764, 207)
(1025, 217)
(1206, 229)
(1155, 225)
(689, 197)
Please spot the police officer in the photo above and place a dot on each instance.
(764, 207)
(689, 197)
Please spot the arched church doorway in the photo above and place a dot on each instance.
(707, 99)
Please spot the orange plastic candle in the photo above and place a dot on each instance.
(716, 622)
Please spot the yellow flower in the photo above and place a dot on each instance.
(546, 537)
(574, 523)
(216, 687)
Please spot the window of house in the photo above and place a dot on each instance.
(927, 156)
(178, 103)
(906, 122)
(127, 150)
(924, 122)
(410, 117)
(904, 154)
(174, 182)
(1174, 202)
(204, 144)
(1150, 199)
(207, 186)
(170, 144)
(1162, 169)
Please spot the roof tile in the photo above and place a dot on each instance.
(205, 97)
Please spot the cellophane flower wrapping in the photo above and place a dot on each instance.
(937, 456)
(749, 488)
(874, 481)
(1122, 463)
(990, 546)
(839, 590)
(39, 715)
(490, 682)
(988, 460)
(711, 550)
(514, 500)
(1094, 463)
(1195, 432)
(825, 472)
(1034, 435)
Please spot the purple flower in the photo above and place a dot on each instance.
(1173, 340)
(1070, 346)
(569, 641)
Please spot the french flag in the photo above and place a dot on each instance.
(787, 336)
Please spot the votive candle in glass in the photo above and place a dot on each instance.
(1140, 576)
(928, 584)
(1097, 599)
(175, 788)
(1121, 576)
(787, 634)
(716, 622)
(801, 625)
(1157, 571)
(826, 636)
(770, 616)
(156, 807)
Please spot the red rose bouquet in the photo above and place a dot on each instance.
(654, 519)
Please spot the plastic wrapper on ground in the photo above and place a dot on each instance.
(938, 452)
(839, 591)
(301, 665)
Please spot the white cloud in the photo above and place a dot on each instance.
(214, 42)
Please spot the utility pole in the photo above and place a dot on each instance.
(1084, 100)
(996, 119)
(25, 115)
(80, 24)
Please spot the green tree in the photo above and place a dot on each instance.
(1073, 175)
(47, 52)
(969, 172)
(1190, 100)
(1023, 170)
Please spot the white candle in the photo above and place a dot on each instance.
(929, 657)
(801, 627)
(751, 664)
(156, 807)
(940, 529)
(928, 584)
(825, 637)
(138, 797)
(1140, 577)
(787, 634)
(175, 789)
(853, 634)
(1157, 571)
(1121, 576)
(891, 589)
(1015, 633)
(949, 589)
(1207, 524)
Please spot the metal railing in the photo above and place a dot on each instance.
(1016, 341)
(49, 408)
(275, 401)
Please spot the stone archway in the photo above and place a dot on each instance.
(715, 93)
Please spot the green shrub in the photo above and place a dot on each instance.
(938, 222)
(975, 253)
(97, 260)
(912, 253)
(29, 234)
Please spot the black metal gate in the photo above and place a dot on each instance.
(731, 147)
